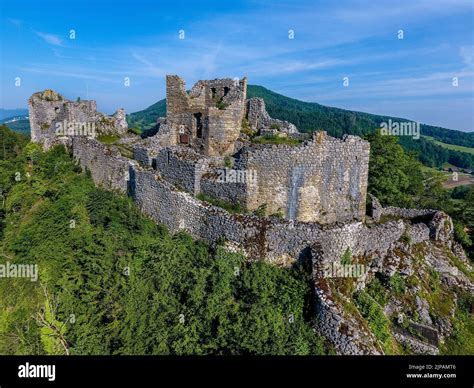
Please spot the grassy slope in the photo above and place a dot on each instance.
(469, 150)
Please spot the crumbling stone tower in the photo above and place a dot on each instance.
(209, 117)
(49, 110)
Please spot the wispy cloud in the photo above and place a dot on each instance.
(69, 74)
(52, 39)
(467, 55)
(15, 22)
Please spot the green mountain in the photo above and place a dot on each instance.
(146, 118)
(21, 126)
(310, 116)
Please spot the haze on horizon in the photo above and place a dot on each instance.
(303, 50)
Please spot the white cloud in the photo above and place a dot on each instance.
(467, 55)
(54, 40)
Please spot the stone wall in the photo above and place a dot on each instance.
(181, 167)
(436, 223)
(323, 180)
(143, 155)
(213, 186)
(107, 167)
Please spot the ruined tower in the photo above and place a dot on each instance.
(56, 120)
(209, 116)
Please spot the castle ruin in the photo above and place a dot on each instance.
(201, 147)
(289, 196)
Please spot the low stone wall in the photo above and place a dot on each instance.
(179, 168)
(347, 334)
(377, 211)
(436, 223)
(418, 233)
(358, 238)
(406, 213)
(142, 155)
(231, 192)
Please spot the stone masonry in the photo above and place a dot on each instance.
(209, 117)
(56, 120)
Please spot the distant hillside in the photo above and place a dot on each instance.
(6, 113)
(310, 116)
(17, 124)
(15, 119)
(146, 118)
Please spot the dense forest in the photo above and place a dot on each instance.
(309, 116)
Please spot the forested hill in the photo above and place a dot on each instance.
(310, 116)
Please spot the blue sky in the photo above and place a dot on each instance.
(410, 77)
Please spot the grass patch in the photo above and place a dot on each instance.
(108, 139)
(230, 207)
(378, 322)
(397, 284)
(452, 147)
(461, 340)
(378, 292)
(272, 139)
(439, 299)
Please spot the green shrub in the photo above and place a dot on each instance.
(378, 292)
(228, 161)
(346, 258)
(261, 211)
(461, 235)
(135, 130)
(376, 319)
(221, 105)
(406, 239)
(230, 207)
(397, 284)
(272, 139)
